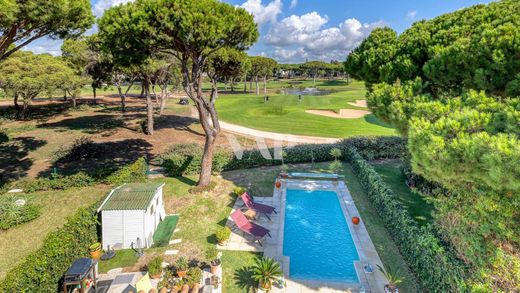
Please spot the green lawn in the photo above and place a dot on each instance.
(123, 258)
(286, 114)
(56, 206)
(418, 207)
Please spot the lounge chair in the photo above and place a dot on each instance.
(254, 230)
(257, 207)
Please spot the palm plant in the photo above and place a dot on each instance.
(265, 271)
(393, 277)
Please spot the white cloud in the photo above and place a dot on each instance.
(263, 14)
(411, 14)
(102, 5)
(297, 38)
(294, 3)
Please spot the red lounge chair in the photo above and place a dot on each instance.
(256, 231)
(257, 207)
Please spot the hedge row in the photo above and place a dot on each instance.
(135, 172)
(436, 267)
(185, 159)
(42, 270)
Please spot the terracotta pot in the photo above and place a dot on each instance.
(96, 253)
(164, 290)
(355, 220)
(278, 184)
(266, 286)
(214, 269)
(185, 289)
(181, 274)
(158, 276)
(195, 288)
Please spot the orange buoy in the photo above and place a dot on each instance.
(355, 220)
(278, 184)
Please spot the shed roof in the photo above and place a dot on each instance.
(131, 196)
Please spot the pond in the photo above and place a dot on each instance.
(305, 92)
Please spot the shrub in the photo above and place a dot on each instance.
(81, 149)
(155, 266)
(13, 213)
(434, 264)
(185, 159)
(223, 234)
(42, 270)
(181, 264)
(193, 276)
(4, 137)
(55, 183)
(136, 172)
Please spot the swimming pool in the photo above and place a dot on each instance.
(317, 238)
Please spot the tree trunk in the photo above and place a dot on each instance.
(24, 108)
(265, 85)
(245, 84)
(122, 97)
(314, 79)
(94, 91)
(142, 91)
(73, 99)
(156, 101)
(164, 99)
(16, 106)
(251, 84)
(257, 87)
(149, 108)
(232, 86)
(207, 160)
(65, 96)
(225, 83)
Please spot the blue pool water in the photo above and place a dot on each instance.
(317, 238)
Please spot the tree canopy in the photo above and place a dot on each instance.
(22, 22)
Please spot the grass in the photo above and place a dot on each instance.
(418, 207)
(286, 114)
(164, 231)
(123, 258)
(56, 206)
(235, 274)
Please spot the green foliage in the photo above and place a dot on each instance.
(12, 214)
(223, 234)
(42, 270)
(193, 276)
(266, 271)
(33, 19)
(155, 266)
(4, 137)
(335, 166)
(136, 172)
(238, 190)
(472, 48)
(181, 264)
(392, 275)
(228, 64)
(335, 153)
(262, 66)
(433, 263)
(185, 159)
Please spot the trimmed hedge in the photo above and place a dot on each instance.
(42, 270)
(436, 267)
(185, 159)
(135, 172)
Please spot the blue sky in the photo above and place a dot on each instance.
(299, 30)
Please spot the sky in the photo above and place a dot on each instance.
(293, 31)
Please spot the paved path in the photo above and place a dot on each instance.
(299, 139)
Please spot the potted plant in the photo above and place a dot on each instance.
(181, 265)
(393, 277)
(223, 235)
(214, 259)
(265, 272)
(193, 277)
(95, 250)
(155, 267)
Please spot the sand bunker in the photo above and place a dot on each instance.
(359, 103)
(343, 113)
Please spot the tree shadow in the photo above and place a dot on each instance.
(37, 112)
(89, 124)
(372, 119)
(14, 162)
(244, 279)
(176, 122)
(113, 155)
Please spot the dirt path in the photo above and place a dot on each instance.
(343, 113)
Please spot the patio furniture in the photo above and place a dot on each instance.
(81, 275)
(257, 207)
(254, 230)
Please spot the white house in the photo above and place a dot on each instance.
(130, 214)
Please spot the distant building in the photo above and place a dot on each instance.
(131, 214)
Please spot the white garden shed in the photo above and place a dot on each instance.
(131, 214)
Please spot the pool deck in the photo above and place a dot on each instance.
(273, 247)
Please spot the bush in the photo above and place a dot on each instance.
(42, 270)
(3, 136)
(54, 183)
(81, 149)
(185, 159)
(155, 266)
(223, 234)
(13, 214)
(136, 172)
(193, 276)
(434, 264)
